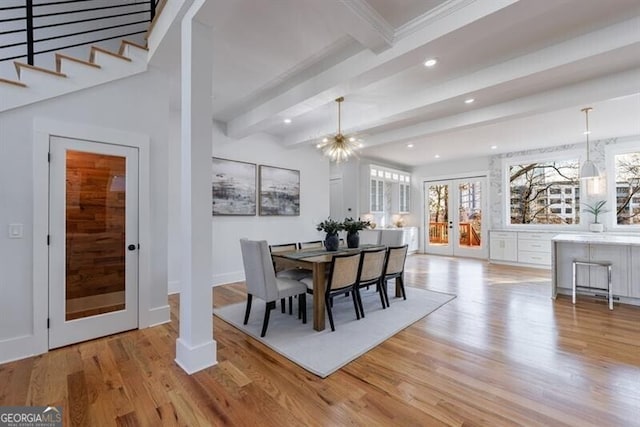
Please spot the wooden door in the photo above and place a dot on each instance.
(93, 231)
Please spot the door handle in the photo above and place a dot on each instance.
(131, 247)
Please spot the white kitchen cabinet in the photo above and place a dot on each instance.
(623, 252)
(410, 238)
(634, 280)
(534, 248)
(618, 256)
(503, 246)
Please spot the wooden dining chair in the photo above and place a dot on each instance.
(343, 277)
(319, 244)
(394, 269)
(371, 273)
(262, 282)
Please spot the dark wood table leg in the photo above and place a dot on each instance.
(318, 296)
(398, 288)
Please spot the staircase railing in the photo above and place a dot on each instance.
(31, 28)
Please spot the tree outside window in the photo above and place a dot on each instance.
(628, 188)
(545, 192)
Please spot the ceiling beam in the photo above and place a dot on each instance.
(357, 71)
(618, 36)
(600, 89)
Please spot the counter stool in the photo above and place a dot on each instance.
(608, 289)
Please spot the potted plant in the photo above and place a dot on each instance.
(352, 228)
(596, 209)
(331, 227)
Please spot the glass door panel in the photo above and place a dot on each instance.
(439, 217)
(460, 202)
(470, 214)
(95, 234)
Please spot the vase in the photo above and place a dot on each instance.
(353, 239)
(596, 227)
(331, 242)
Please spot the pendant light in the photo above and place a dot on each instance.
(339, 147)
(589, 169)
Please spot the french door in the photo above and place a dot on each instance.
(93, 249)
(454, 217)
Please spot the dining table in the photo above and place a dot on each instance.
(317, 261)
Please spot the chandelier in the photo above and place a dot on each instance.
(339, 147)
(589, 169)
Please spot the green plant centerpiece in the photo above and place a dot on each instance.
(596, 209)
(331, 227)
(352, 227)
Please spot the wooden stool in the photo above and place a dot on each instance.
(608, 289)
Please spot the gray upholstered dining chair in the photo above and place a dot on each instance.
(394, 269)
(262, 282)
(288, 273)
(343, 277)
(371, 273)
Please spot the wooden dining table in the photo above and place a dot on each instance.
(317, 261)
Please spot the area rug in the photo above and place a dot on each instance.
(323, 353)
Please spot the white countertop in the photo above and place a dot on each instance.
(598, 238)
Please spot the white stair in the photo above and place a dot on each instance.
(34, 84)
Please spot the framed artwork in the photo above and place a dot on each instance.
(233, 186)
(279, 191)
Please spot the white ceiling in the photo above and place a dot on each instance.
(531, 66)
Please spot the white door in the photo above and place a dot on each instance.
(93, 246)
(453, 217)
(336, 208)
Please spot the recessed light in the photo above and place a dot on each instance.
(587, 132)
(493, 147)
(469, 101)
(352, 139)
(287, 121)
(360, 145)
(409, 145)
(325, 139)
(430, 62)
(437, 156)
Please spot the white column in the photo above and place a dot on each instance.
(195, 348)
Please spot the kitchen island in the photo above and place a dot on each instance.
(622, 251)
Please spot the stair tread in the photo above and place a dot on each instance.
(60, 56)
(95, 49)
(12, 82)
(20, 65)
(124, 43)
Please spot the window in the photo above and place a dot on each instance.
(627, 183)
(377, 195)
(544, 192)
(405, 190)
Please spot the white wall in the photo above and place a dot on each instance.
(314, 201)
(174, 239)
(116, 105)
(349, 171)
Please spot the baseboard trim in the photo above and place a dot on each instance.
(173, 287)
(194, 359)
(226, 278)
(159, 315)
(20, 348)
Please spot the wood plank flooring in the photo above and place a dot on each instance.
(501, 354)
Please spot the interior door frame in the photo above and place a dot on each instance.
(43, 129)
(486, 214)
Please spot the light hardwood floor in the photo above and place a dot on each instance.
(501, 353)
